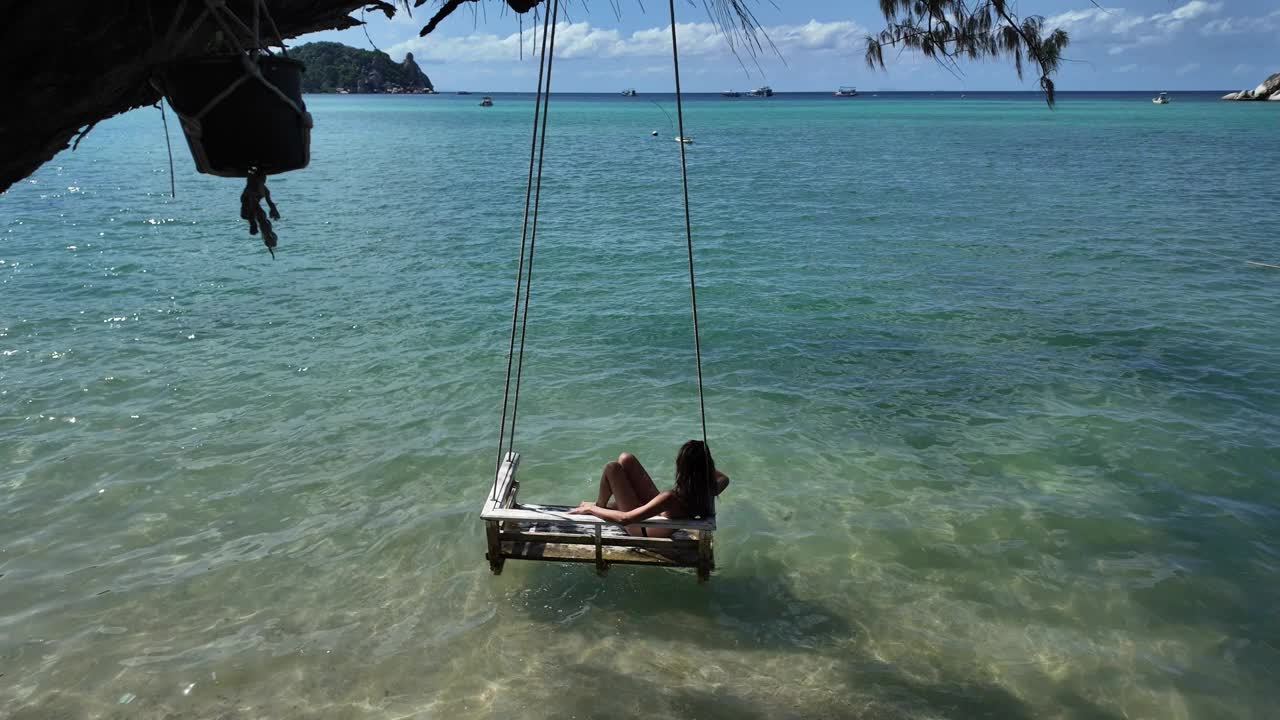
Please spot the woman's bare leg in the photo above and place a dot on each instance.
(606, 491)
(644, 487)
(629, 484)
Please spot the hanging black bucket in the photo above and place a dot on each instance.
(239, 121)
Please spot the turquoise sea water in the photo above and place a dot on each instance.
(998, 392)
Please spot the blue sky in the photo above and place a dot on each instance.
(1137, 44)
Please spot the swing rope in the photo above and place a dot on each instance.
(533, 226)
(535, 150)
(688, 235)
(173, 184)
(524, 271)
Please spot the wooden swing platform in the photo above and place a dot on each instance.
(530, 531)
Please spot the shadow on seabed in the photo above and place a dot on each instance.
(765, 625)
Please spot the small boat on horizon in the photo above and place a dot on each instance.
(486, 101)
(762, 91)
(1161, 99)
(730, 93)
(846, 91)
(629, 92)
(463, 92)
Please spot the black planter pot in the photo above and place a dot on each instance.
(252, 127)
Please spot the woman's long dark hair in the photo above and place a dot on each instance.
(696, 479)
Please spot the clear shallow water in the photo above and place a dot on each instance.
(996, 387)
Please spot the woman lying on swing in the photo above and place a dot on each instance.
(637, 498)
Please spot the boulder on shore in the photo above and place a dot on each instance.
(1268, 89)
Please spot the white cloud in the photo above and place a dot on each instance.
(1128, 30)
(1225, 26)
(480, 47)
(1188, 68)
(838, 36)
(582, 40)
(1127, 68)
(1240, 25)
(1192, 10)
(406, 18)
(1243, 69)
(1095, 21)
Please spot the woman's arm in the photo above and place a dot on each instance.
(644, 512)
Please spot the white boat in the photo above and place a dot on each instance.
(730, 93)
(846, 91)
(762, 91)
(686, 139)
(1161, 99)
(629, 92)
(486, 101)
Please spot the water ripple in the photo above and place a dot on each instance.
(1001, 425)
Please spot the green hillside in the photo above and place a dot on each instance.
(333, 67)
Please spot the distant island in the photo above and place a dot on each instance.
(336, 68)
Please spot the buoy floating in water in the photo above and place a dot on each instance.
(654, 133)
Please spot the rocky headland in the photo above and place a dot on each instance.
(336, 68)
(1268, 89)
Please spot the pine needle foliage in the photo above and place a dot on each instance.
(952, 30)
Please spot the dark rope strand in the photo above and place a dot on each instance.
(515, 306)
(533, 233)
(257, 25)
(173, 187)
(688, 234)
(275, 30)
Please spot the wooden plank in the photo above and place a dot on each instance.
(533, 512)
(501, 493)
(560, 552)
(590, 539)
(494, 554)
(706, 560)
(601, 565)
(555, 526)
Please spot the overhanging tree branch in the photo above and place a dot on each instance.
(943, 30)
(946, 29)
